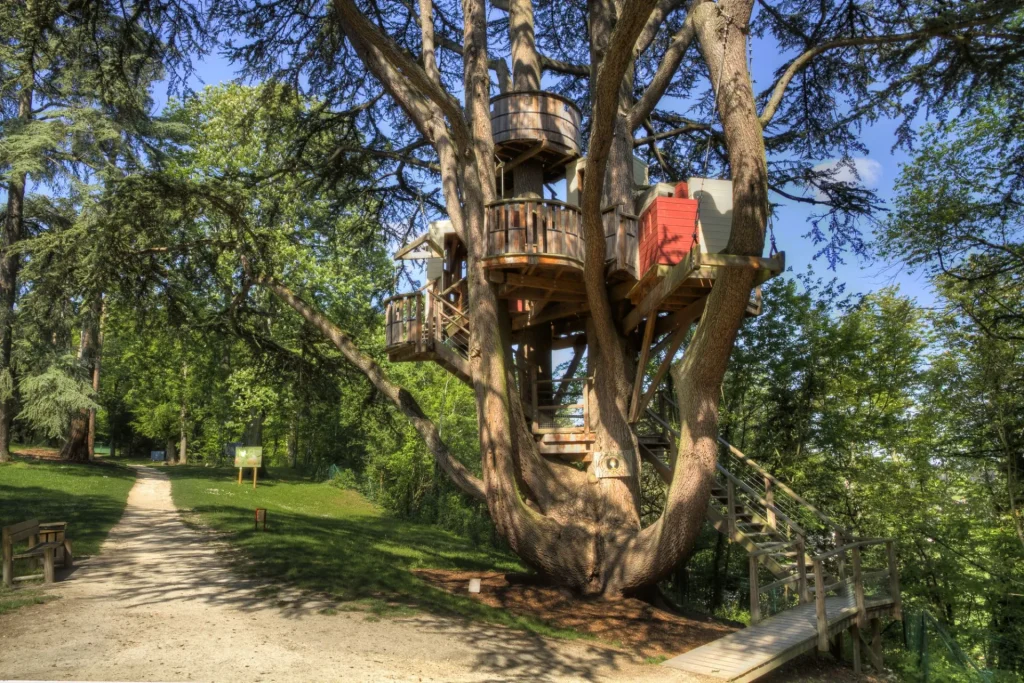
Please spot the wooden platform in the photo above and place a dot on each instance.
(751, 653)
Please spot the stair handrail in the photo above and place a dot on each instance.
(891, 572)
(843, 533)
(766, 504)
(441, 319)
(798, 575)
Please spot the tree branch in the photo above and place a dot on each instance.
(562, 67)
(360, 29)
(680, 43)
(801, 62)
(399, 397)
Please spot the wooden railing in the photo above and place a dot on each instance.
(535, 229)
(404, 320)
(794, 585)
(561, 406)
(620, 239)
(780, 501)
(536, 116)
(450, 326)
(423, 319)
(841, 571)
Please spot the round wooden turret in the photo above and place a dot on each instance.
(540, 126)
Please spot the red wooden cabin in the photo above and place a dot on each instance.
(667, 229)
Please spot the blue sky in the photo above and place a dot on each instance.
(879, 169)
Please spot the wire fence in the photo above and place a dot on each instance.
(939, 656)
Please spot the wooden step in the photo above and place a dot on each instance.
(567, 445)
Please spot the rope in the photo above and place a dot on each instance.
(771, 234)
(423, 213)
(714, 107)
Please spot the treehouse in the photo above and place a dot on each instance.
(663, 253)
(430, 324)
(541, 128)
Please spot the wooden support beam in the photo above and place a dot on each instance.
(875, 651)
(685, 319)
(774, 264)
(536, 282)
(755, 590)
(855, 637)
(641, 366)
(730, 492)
(819, 606)
(563, 310)
(661, 291)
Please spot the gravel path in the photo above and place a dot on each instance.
(157, 603)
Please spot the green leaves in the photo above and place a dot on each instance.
(52, 397)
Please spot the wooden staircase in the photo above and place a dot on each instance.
(780, 530)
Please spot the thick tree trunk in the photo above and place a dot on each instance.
(171, 457)
(9, 263)
(97, 358)
(76, 448)
(293, 440)
(80, 441)
(183, 439)
(183, 418)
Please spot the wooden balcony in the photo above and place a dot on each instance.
(403, 328)
(536, 125)
(423, 326)
(535, 235)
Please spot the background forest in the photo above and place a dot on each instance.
(126, 331)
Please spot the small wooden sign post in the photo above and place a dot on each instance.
(248, 456)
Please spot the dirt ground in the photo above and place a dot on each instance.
(634, 624)
(157, 603)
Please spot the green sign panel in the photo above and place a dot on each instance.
(248, 456)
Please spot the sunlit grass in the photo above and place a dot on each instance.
(334, 541)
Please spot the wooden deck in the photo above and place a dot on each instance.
(752, 652)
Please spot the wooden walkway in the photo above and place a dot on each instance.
(752, 652)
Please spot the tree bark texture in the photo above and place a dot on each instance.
(9, 264)
(80, 441)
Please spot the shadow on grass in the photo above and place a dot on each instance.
(89, 498)
(339, 546)
(331, 553)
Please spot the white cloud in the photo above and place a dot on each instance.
(859, 172)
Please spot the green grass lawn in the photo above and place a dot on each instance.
(334, 541)
(90, 498)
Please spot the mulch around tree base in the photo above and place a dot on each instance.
(629, 623)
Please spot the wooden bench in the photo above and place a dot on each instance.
(48, 541)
